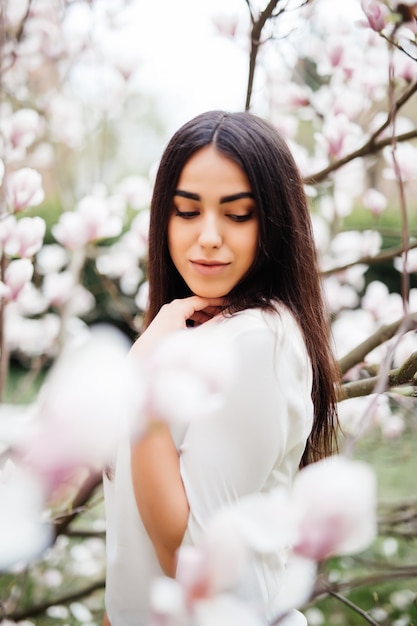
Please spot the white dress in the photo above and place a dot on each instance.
(253, 444)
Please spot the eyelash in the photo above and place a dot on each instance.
(188, 215)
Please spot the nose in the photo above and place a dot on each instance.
(210, 235)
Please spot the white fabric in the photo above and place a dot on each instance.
(253, 444)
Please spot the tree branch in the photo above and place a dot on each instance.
(255, 39)
(406, 374)
(383, 334)
(84, 494)
(354, 607)
(40, 608)
(371, 146)
(385, 255)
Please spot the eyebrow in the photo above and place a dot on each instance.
(195, 196)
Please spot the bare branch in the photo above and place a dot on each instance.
(406, 374)
(354, 607)
(385, 255)
(40, 608)
(383, 334)
(255, 43)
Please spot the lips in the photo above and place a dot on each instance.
(209, 268)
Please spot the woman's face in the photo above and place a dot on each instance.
(213, 227)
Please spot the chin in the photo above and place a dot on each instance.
(208, 293)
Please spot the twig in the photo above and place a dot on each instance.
(354, 607)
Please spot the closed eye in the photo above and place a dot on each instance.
(240, 218)
(186, 215)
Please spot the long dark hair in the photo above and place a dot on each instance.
(285, 268)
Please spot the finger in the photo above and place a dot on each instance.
(191, 305)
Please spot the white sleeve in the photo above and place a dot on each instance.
(256, 440)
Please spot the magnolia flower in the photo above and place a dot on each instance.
(97, 219)
(23, 534)
(376, 14)
(22, 128)
(2, 170)
(180, 384)
(334, 503)
(406, 159)
(51, 258)
(375, 201)
(92, 388)
(329, 510)
(7, 228)
(70, 231)
(17, 275)
(136, 190)
(27, 238)
(410, 266)
(24, 188)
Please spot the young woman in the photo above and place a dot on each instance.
(230, 250)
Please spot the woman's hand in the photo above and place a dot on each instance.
(174, 316)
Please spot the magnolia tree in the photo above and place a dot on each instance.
(342, 93)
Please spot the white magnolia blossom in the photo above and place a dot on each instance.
(22, 128)
(24, 189)
(136, 191)
(51, 258)
(411, 264)
(180, 384)
(27, 238)
(91, 221)
(329, 510)
(7, 229)
(385, 306)
(375, 201)
(23, 533)
(17, 275)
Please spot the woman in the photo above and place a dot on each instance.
(230, 250)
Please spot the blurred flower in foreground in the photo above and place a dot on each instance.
(182, 383)
(330, 510)
(23, 534)
(90, 389)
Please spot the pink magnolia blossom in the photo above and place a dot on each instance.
(27, 238)
(180, 384)
(226, 24)
(69, 231)
(17, 275)
(2, 170)
(98, 221)
(406, 158)
(375, 201)
(335, 508)
(92, 389)
(22, 128)
(24, 189)
(376, 14)
(7, 229)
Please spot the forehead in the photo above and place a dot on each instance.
(209, 168)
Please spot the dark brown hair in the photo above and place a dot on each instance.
(285, 268)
